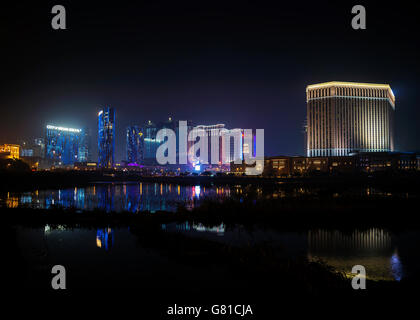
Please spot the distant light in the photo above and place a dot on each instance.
(152, 140)
(197, 167)
(100, 112)
(197, 191)
(63, 129)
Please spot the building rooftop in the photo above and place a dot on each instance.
(352, 85)
(348, 84)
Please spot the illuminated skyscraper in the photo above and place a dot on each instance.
(347, 117)
(106, 137)
(150, 142)
(64, 146)
(134, 145)
(84, 146)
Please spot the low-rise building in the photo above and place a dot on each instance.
(284, 166)
(386, 161)
(9, 151)
(277, 166)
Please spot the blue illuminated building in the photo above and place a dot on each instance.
(150, 143)
(65, 146)
(106, 137)
(84, 146)
(134, 145)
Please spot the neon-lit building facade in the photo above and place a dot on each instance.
(84, 146)
(134, 145)
(106, 137)
(65, 146)
(347, 117)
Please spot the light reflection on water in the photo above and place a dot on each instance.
(396, 267)
(133, 197)
(374, 248)
(136, 197)
(199, 227)
(105, 238)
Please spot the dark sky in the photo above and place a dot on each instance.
(242, 63)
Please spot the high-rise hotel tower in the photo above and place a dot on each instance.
(347, 117)
(106, 137)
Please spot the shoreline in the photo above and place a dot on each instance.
(12, 181)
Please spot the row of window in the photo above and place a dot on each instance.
(348, 91)
(354, 127)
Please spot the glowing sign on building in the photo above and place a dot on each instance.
(50, 127)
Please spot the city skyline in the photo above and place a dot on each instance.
(311, 92)
(212, 66)
(210, 151)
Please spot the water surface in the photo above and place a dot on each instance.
(118, 254)
(137, 197)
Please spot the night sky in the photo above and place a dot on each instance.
(245, 64)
